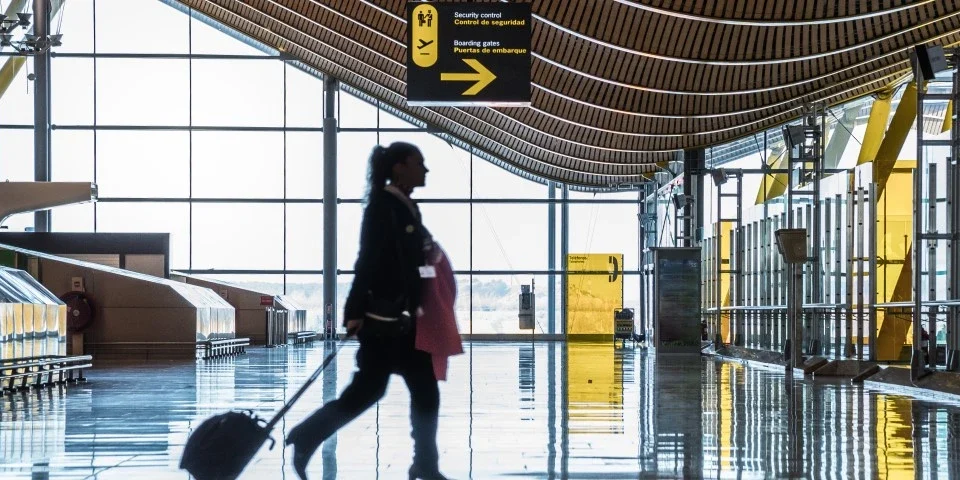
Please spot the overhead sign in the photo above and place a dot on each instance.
(468, 54)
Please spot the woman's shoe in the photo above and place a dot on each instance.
(417, 473)
(301, 454)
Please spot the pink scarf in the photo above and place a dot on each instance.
(437, 332)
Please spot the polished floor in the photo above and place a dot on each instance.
(510, 410)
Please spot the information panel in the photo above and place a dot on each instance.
(676, 290)
(468, 54)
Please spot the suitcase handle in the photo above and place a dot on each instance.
(296, 396)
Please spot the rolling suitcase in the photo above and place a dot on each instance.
(222, 446)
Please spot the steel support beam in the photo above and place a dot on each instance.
(551, 259)
(917, 369)
(41, 109)
(331, 86)
(564, 252)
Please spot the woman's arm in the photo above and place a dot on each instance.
(375, 236)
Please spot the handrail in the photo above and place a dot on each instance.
(32, 362)
(830, 306)
(16, 375)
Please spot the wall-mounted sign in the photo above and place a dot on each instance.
(468, 54)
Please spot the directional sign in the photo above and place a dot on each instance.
(468, 53)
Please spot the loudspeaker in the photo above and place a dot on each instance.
(931, 59)
(793, 135)
(719, 176)
(694, 161)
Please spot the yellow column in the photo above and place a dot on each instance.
(724, 258)
(894, 226)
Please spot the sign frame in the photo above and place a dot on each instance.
(468, 54)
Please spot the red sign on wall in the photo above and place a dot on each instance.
(266, 300)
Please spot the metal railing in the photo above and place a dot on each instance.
(37, 372)
(830, 329)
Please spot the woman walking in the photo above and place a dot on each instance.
(381, 310)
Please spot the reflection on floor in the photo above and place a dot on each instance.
(510, 410)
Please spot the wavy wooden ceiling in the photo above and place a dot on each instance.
(619, 85)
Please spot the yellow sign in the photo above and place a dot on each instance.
(424, 47)
(594, 291)
(482, 77)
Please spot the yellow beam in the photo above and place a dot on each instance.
(903, 120)
(948, 118)
(13, 65)
(9, 72)
(876, 126)
(776, 182)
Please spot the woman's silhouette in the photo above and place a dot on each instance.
(381, 310)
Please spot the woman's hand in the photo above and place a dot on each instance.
(353, 326)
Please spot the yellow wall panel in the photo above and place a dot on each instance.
(592, 298)
(894, 272)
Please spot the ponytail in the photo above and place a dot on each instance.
(379, 170)
(382, 160)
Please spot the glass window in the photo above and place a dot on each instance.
(449, 165)
(16, 155)
(509, 237)
(238, 164)
(72, 91)
(71, 156)
(172, 218)
(211, 37)
(16, 103)
(349, 216)
(304, 236)
(242, 93)
(344, 282)
(122, 27)
(389, 120)
(491, 181)
(450, 226)
(304, 98)
(73, 218)
(307, 291)
(611, 228)
(353, 156)
(462, 306)
(269, 284)
(304, 164)
(495, 299)
(353, 112)
(143, 163)
(143, 91)
(575, 195)
(238, 236)
(21, 222)
(76, 25)
(631, 294)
